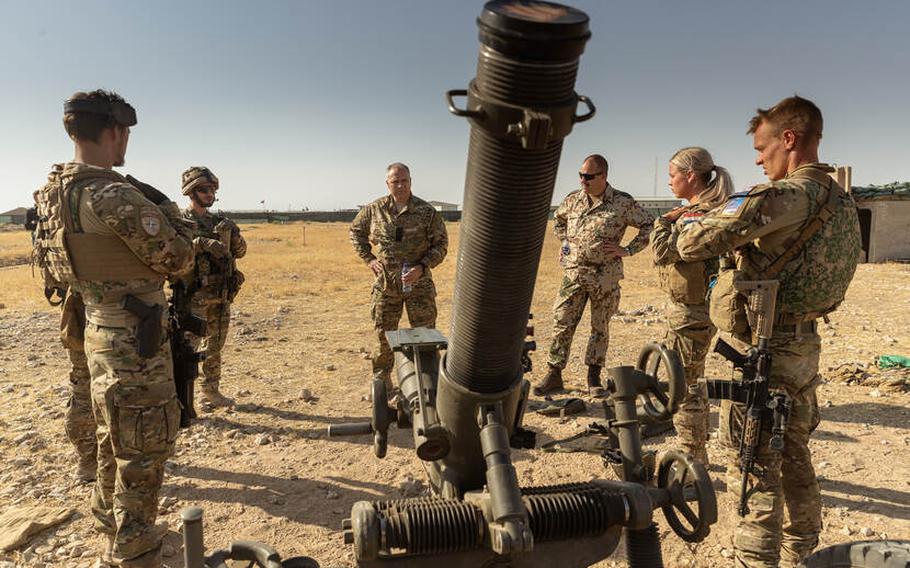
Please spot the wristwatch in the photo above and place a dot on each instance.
(628, 251)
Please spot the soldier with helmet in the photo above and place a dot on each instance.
(215, 279)
(801, 229)
(114, 240)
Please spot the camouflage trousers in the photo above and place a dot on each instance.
(689, 333)
(138, 418)
(567, 312)
(217, 316)
(386, 307)
(762, 538)
(79, 421)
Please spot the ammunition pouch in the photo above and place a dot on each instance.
(234, 284)
(685, 282)
(149, 329)
(72, 323)
(728, 305)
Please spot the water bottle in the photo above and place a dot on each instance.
(564, 252)
(405, 268)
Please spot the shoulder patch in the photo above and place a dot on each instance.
(150, 220)
(734, 204)
(691, 217)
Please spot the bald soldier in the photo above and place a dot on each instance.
(215, 279)
(801, 229)
(401, 238)
(114, 240)
(590, 223)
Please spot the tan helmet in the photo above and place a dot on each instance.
(196, 176)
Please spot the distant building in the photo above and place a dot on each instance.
(443, 206)
(14, 216)
(657, 206)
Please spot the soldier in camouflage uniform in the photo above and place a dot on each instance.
(410, 238)
(695, 178)
(801, 229)
(590, 223)
(216, 280)
(114, 241)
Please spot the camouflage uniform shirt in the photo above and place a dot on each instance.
(588, 223)
(416, 235)
(207, 269)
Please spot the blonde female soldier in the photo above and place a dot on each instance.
(695, 178)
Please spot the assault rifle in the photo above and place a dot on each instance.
(186, 359)
(753, 389)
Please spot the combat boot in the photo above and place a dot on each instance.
(552, 382)
(594, 387)
(86, 470)
(151, 559)
(212, 397)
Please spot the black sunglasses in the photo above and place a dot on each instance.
(588, 177)
(206, 189)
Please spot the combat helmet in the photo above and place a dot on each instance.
(196, 176)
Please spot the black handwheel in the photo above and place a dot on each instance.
(381, 418)
(656, 403)
(686, 482)
(259, 555)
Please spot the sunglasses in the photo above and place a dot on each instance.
(205, 190)
(588, 177)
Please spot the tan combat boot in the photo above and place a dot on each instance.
(151, 559)
(550, 383)
(212, 397)
(595, 389)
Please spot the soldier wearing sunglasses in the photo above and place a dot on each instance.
(590, 223)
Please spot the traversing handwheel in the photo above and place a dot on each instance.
(258, 554)
(656, 403)
(382, 418)
(687, 482)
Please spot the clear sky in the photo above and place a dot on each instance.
(304, 103)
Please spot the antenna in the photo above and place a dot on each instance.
(655, 176)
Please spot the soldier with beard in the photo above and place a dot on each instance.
(216, 280)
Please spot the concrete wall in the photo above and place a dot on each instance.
(889, 230)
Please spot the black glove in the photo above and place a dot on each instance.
(148, 191)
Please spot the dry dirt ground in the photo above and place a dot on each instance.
(297, 360)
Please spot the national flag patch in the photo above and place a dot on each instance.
(733, 205)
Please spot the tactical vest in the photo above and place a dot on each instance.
(814, 280)
(62, 251)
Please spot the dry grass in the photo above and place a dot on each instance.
(302, 322)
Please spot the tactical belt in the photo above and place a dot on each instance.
(802, 328)
(105, 258)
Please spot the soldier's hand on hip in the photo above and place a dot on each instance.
(614, 250)
(413, 275)
(376, 267)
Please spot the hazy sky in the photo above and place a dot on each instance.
(304, 103)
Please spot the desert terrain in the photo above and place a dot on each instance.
(297, 360)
